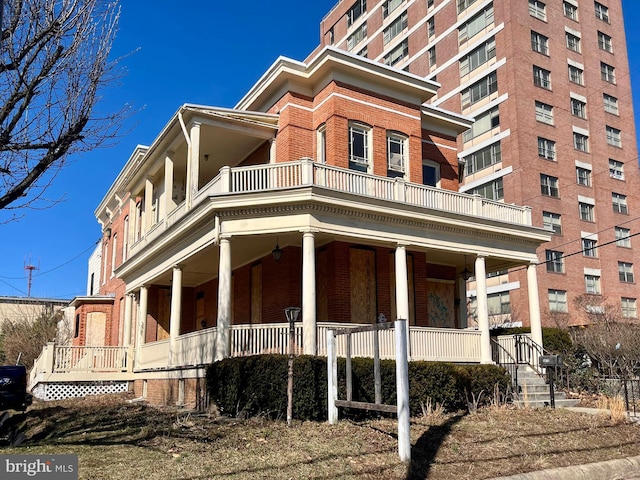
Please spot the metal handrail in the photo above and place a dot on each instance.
(529, 352)
(502, 357)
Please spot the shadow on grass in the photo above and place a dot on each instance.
(424, 451)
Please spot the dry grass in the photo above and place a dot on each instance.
(117, 440)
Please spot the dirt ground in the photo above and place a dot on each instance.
(115, 439)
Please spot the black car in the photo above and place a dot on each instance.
(13, 388)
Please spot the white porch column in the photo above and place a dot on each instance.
(272, 151)
(309, 330)
(402, 289)
(534, 304)
(169, 204)
(142, 321)
(463, 314)
(223, 322)
(193, 163)
(148, 205)
(483, 310)
(176, 310)
(126, 337)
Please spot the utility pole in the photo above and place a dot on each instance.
(30, 268)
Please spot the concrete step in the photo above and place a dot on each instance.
(560, 403)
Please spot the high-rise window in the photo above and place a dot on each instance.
(539, 43)
(586, 211)
(589, 247)
(395, 29)
(431, 26)
(389, 6)
(479, 90)
(573, 42)
(477, 57)
(629, 307)
(549, 185)
(356, 37)
(623, 237)
(610, 104)
(476, 24)
(602, 11)
(578, 108)
(616, 169)
(538, 9)
(484, 123)
(558, 300)
(625, 272)
(546, 148)
(483, 158)
(604, 42)
(576, 75)
(592, 284)
(541, 77)
(614, 136)
(570, 10)
(555, 261)
(398, 53)
(580, 142)
(544, 113)
(583, 176)
(553, 221)
(607, 73)
(432, 56)
(464, 4)
(619, 202)
(493, 190)
(356, 11)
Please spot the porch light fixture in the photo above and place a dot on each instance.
(277, 254)
(466, 274)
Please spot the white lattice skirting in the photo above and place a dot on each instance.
(60, 391)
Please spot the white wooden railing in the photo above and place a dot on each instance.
(196, 348)
(153, 355)
(263, 338)
(94, 358)
(260, 178)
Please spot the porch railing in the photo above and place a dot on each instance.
(305, 172)
(263, 338)
(97, 359)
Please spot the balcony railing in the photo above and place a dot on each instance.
(271, 177)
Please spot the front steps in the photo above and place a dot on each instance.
(534, 391)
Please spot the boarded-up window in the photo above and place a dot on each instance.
(363, 285)
(164, 313)
(96, 323)
(322, 298)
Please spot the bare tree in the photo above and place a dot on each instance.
(54, 62)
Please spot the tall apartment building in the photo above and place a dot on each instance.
(548, 85)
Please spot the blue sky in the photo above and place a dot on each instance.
(199, 52)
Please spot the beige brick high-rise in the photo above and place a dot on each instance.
(548, 84)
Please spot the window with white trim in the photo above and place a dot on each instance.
(359, 147)
(570, 11)
(605, 42)
(125, 239)
(553, 221)
(623, 237)
(476, 24)
(493, 190)
(430, 173)
(483, 158)
(592, 284)
(356, 37)
(625, 272)
(573, 42)
(610, 104)
(589, 247)
(580, 142)
(607, 72)
(478, 57)
(629, 307)
(578, 108)
(558, 300)
(539, 43)
(555, 261)
(544, 112)
(583, 176)
(619, 203)
(602, 11)
(614, 136)
(484, 123)
(616, 169)
(322, 144)
(356, 11)
(586, 211)
(396, 154)
(538, 9)
(499, 303)
(389, 7)
(546, 148)
(395, 28)
(576, 75)
(541, 77)
(549, 185)
(479, 90)
(398, 53)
